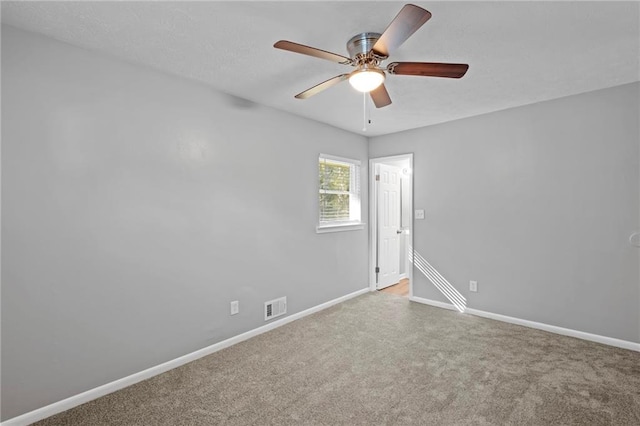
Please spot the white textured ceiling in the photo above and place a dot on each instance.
(519, 52)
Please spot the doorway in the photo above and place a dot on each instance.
(391, 224)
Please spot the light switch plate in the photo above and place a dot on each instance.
(235, 307)
(419, 214)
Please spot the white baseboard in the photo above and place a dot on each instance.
(624, 344)
(435, 303)
(91, 394)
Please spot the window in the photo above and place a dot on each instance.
(339, 194)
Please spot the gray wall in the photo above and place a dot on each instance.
(136, 206)
(535, 203)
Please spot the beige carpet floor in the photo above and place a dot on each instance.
(380, 359)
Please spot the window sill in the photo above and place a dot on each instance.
(322, 229)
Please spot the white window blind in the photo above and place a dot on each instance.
(339, 191)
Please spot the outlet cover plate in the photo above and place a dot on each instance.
(473, 286)
(235, 307)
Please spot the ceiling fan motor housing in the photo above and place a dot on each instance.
(361, 44)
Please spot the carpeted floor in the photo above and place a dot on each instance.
(380, 359)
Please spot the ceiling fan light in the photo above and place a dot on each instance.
(366, 80)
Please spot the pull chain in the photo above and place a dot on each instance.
(364, 112)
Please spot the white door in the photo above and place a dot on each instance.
(388, 225)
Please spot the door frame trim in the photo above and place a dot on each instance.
(373, 224)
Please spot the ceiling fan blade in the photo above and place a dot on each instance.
(322, 86)
(312, 51)
(407, 22)
(428, 69)
(380, 96)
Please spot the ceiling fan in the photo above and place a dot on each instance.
(368, 50)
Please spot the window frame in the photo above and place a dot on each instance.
(355, 197)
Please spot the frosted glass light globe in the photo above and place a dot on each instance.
(366, 80)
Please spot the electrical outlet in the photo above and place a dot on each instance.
(473, 286)
(235, 307)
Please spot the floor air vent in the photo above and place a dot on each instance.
(275, 308)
